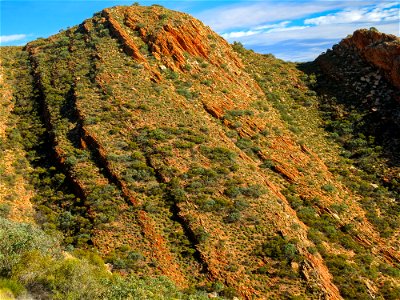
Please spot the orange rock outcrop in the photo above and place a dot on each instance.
(379, 49)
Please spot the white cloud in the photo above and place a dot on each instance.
(272, 26)
(245, 15)
(282, 26)
(12, 38)
(300, 31)
(379, 13)
(238, 34)
(301, 55)
(387, 4)
(287, 29)
(311, 44)
(306, 44)
(327, 32)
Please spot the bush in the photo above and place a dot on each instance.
(30, 260)
(11, 286)
(232, 191)
(279, 248)
(218, 154)
(389, 270)
(238, 47)
(233, 216)
(183, 144)
(328, 188)
(389, 291)
(239, 113)
(17, 239)
(346, 276)
(254, 191)
(175, 191)
(185, 92)
(267, 164)
(4, 209)
(62, 278)
(134, 287)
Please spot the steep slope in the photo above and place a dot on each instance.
(379, 49)
(365, 65)
(15, 191)
(170, 152)
(360, 100)
(323, 199)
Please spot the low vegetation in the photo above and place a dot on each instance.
(133, 167)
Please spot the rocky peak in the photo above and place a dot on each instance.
(379, 49)
(203, 162)
(361, 75)
(169, 36)
(367, 66)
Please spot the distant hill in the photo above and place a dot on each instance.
(143, 157)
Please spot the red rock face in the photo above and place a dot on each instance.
(381, 50)
(167, 42)
(175, 41)
(129, 45)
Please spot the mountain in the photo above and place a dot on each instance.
(145, 157)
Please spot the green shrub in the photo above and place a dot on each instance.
(238, 47)
(279, 248)
(267, 164)
(4, 209)
(232, 191)
(389, 291)
(233, 216)
(15, 287)
(389, 270)
(186, 93)
(347, 277)
(328, 188)
(254, 191)
(17, 239)
(244, 143)
(207, 82)
(238, 113)
(201, 235)
(197, 139)
(184, 144)
(218, 154)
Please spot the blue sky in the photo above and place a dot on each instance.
(291, 30)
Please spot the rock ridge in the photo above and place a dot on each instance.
(379, 49)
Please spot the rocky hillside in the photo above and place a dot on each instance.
(379, 49)
(360, 100)
(156, 160)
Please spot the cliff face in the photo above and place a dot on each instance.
(379, 49)
(382, 51)
(171, 152)
(362, 74)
